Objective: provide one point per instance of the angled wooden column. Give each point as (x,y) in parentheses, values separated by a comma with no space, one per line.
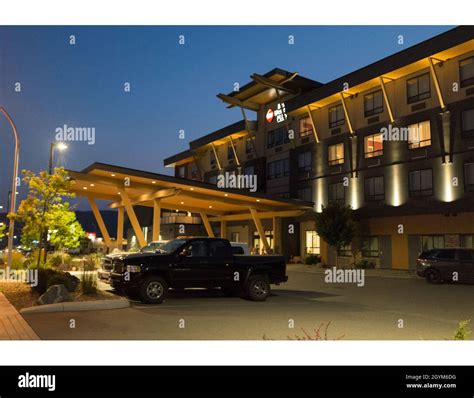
(156,219)
(436,84)
(315,133)
(224,229)
(100,222)
(236,156)
(133,219)
(207,225)
(260,230)
(120,221)
(216,157)
(346,114)
(387,101)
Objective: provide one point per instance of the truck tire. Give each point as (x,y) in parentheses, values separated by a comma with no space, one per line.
(153,290)
(257,288)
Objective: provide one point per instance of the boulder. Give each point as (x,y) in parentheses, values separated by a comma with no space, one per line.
(54,294)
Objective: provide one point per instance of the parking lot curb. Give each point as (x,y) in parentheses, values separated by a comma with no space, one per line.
(94,305)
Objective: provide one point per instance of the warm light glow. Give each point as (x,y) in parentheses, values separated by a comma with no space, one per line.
(61,146)
(258,200)
(210,207)
(396,199)
(113,175)
(153,182)
(92,185)
(354,185)
(85,188)
(191,189)
(182,203)
(319,195)
(226,194)
(448,182)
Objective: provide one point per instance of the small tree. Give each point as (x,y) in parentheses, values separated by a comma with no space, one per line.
(44,211)
(336,226)
(3,228)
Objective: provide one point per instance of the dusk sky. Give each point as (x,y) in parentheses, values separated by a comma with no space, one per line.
(173,87)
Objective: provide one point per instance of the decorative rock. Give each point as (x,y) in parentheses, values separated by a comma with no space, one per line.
(55,294)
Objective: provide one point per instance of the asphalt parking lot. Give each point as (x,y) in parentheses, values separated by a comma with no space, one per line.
(383,309)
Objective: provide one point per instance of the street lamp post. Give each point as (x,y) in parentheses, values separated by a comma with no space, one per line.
(11,227)
(61,146)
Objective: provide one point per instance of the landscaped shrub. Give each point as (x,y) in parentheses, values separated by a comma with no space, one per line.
(63,279)
(18,261)
(48,277)
(365,264)
(312,259)
(464,330)
(92,262)
(89,282)
(58,259)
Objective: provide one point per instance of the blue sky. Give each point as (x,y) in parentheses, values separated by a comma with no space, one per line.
(173,87)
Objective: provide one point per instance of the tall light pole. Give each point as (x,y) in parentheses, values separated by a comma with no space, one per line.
(61,146)
(11,227)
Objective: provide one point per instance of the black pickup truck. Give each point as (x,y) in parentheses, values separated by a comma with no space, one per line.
(196,262)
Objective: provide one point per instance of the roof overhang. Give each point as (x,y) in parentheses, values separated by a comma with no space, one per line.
(108,182)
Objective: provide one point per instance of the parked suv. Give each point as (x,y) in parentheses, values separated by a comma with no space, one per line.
(447,265)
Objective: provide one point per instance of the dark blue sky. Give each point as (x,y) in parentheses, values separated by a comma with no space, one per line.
(173,87)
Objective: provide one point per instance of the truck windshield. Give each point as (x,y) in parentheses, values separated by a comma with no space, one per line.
(172,245)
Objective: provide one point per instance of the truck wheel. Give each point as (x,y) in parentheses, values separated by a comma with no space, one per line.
(153,290)
(258,288)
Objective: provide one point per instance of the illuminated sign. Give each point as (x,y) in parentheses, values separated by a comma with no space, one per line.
(279,113)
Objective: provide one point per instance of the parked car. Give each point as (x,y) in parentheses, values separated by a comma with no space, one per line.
(196,263)
(107,261)
(447,265)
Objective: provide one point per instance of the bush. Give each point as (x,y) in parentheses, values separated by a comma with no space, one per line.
(92,262)
(365,264)
(48,277)
(59,259)
(464,330)
(18,261)
(312,259)
(63,279)
(89,282)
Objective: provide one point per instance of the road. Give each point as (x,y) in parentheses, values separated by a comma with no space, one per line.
(383,309)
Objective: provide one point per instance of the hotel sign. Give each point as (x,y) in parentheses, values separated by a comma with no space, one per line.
(279,113)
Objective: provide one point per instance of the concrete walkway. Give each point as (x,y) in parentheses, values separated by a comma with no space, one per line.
(378,272)
(12,324)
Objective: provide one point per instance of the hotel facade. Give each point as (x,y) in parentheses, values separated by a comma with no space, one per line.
(394,140)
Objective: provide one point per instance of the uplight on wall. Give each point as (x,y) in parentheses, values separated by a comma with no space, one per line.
(354,189)
(449,182)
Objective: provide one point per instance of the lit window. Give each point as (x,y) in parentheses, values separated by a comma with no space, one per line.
(306,128)
(373,145)
(373,103)
(313,243)
(336,154)
(421,182)
(336,116)
(466,71)
(419,135)
(418,88)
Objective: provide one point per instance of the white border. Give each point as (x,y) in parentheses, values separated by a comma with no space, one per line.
(327,353)
(240,12)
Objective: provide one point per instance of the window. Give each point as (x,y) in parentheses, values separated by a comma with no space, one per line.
(449,254)
(212,157)
(212,180)
(336,193)
(218,248)
(374,188)
(466,255)
(305,194)
(304,161)
(373,145)
(278,169)
(313,243)
(249,170)
(345,251)
(230,152)
(418,88)
(430,242)
(336,116)
(467,241)
(467,121)
(277,137)
(336,154)
(466,71)
(421,182)
(306,127)
(196,249)
(235,236)
(182,171)
(257,244)
(373,103)
(469,177)
(419,135)
(370,246)
(194,170)
(249,144)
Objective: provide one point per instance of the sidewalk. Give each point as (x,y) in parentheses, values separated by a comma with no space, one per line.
(12,324)
(378,272)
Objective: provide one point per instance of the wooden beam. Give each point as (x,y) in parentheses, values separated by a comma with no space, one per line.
(216,157)
(436,84)
(120,222)
(156,219)
(100,222)
(274,84)
(207,225)
(234,150)
(253,106)
(261,215)
(346,113)
(312,124)
(147,197)
(133,219)
(224,229)
(261,231)
(387,101)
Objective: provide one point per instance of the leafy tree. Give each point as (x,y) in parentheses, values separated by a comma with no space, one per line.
(45,211)
(336,226)
(3,228)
